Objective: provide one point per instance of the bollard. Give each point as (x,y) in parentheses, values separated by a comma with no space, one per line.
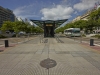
(6,43)
(91,42)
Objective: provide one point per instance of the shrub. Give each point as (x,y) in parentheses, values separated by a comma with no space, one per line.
(99,37)
(96,36)
(14,35)
(2,36)
(83,35)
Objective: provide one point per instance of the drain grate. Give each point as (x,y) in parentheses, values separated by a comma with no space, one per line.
(48,63)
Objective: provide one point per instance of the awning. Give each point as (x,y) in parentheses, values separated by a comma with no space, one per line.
(40,23)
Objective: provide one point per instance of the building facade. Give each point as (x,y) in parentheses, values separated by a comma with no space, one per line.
(85,16)
(76,19)
(6,15)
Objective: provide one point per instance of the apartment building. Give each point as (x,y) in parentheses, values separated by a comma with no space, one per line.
(85,16)
(76,19)
(6,15)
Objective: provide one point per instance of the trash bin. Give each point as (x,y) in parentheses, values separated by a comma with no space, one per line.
(91,42)
(6,43)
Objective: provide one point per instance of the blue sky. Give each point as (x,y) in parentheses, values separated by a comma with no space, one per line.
(48,9)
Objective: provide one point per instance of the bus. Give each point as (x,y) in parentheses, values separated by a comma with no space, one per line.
(72,32)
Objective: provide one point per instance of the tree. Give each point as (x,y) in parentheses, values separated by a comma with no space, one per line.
(61,29)
(69,25)
(95,15)
(38,30)
(94,19)
(7,26)
(98,22)
(19,26)
(80,24)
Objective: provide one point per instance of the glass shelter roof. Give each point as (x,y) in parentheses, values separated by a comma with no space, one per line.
(40,23)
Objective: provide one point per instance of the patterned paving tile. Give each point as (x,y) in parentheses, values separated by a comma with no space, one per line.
(71,58)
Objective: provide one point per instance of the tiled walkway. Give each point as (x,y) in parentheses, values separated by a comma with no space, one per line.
(72,58)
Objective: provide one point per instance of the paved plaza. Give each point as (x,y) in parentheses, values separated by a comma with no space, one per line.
(70,58)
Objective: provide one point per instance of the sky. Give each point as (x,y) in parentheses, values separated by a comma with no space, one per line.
(49,9)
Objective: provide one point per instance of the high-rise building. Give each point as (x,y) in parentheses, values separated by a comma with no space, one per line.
(6,15)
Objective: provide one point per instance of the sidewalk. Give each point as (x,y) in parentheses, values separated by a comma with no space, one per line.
(13,41)
(68,58)
(95,47)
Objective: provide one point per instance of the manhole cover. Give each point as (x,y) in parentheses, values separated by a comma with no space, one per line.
(48,63)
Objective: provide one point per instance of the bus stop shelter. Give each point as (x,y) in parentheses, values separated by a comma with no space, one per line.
(49,26)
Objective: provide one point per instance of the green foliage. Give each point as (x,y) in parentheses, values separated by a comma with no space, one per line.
(83,35)
(7,25)
(82,24)
(97,36)
(98,22)
(61,29)
(38,30)
(20,26)
(90,25)
(95,15)
(2,36)
(14,35)
(94,21)
(69,25)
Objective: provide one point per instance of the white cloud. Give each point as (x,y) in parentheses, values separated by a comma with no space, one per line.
(18,11)
(85,4)
(25,11)
(64,1)
(58,12)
